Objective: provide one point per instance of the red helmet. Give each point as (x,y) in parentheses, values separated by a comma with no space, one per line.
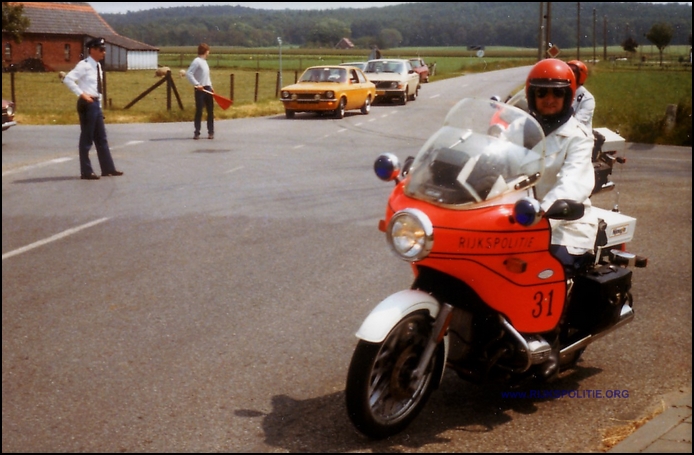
(580,71)
(550,73)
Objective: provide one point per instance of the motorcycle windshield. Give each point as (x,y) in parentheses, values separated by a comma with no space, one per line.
(484,150)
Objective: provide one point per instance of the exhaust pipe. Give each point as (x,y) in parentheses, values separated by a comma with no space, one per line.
(625,316)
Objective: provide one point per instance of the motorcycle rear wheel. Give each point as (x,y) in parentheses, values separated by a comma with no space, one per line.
(381,398)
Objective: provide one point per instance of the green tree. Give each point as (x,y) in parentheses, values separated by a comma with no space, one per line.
(660,35)
(390,37)
(13,21)
(328,32)
(630,45)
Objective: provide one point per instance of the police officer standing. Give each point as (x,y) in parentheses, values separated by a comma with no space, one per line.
(85,81)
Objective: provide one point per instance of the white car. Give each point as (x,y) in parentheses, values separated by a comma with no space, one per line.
(394,78)
(360,65)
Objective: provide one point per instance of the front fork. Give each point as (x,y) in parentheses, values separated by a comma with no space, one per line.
(443,320)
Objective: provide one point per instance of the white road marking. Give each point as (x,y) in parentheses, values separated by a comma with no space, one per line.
(61,160)
(34,166)
(127,144)
(53,238)
(233,170)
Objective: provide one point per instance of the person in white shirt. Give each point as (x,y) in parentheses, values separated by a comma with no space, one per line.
(86,81)
(199,75)
(584,101)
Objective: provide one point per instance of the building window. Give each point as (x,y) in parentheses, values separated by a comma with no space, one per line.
(8,51)
(67,52)
(39,51)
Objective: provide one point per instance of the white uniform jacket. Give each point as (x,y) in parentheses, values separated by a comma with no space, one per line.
(584,107)
(569,175)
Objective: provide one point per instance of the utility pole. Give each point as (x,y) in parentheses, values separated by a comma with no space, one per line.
(545,36)
(594,36)
(279,41)
(541,34)
(604,37)
(578,30)
(548,28)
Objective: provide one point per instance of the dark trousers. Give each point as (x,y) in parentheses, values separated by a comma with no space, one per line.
(204,100)
(93,131)
(572,263)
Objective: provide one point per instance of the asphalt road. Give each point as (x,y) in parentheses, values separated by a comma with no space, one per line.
(207,300)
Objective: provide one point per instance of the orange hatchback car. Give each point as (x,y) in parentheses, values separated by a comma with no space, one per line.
(329,90)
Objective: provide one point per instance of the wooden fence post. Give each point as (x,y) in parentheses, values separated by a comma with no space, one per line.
(14,98)
(257,81)
(231,86)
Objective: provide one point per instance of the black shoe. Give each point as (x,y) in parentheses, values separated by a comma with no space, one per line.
(196,137)
(112,174)
(211,136)
(91,176)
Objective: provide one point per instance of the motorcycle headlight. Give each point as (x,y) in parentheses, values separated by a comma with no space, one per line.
(410,234)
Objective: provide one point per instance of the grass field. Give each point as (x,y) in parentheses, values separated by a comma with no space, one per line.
(631,94)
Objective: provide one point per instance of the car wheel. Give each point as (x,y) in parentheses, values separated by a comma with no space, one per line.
(415,94)
(340,111)
(289,113)
(366,108)
(403,99)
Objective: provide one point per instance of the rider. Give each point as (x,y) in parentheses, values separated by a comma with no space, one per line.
(584,102)
(550,89)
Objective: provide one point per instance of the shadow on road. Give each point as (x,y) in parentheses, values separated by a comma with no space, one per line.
(321,424)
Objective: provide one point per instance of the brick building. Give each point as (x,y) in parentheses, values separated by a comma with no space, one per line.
(58,32)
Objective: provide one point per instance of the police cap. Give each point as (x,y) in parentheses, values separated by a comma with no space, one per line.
(96,42)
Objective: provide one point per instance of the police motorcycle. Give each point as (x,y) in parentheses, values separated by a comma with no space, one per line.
(488,299)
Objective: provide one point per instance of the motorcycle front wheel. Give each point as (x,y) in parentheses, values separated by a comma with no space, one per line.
(382,398)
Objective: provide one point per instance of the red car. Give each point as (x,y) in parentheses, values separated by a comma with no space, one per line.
(420,68)
(7,114)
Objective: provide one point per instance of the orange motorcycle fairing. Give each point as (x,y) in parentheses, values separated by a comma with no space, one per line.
(508,265)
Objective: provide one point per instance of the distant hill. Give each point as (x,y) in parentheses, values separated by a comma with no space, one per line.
(408,25)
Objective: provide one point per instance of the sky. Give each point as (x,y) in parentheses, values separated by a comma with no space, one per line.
(124,7)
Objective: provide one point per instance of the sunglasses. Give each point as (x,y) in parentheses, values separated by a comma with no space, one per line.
(556,92)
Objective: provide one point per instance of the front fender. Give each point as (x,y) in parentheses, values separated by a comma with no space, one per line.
(390,311)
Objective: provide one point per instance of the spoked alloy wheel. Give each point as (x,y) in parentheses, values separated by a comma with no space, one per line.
(366,108)
(340,111)
(382,398)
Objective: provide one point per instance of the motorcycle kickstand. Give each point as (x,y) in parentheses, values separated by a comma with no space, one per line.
(441,324)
